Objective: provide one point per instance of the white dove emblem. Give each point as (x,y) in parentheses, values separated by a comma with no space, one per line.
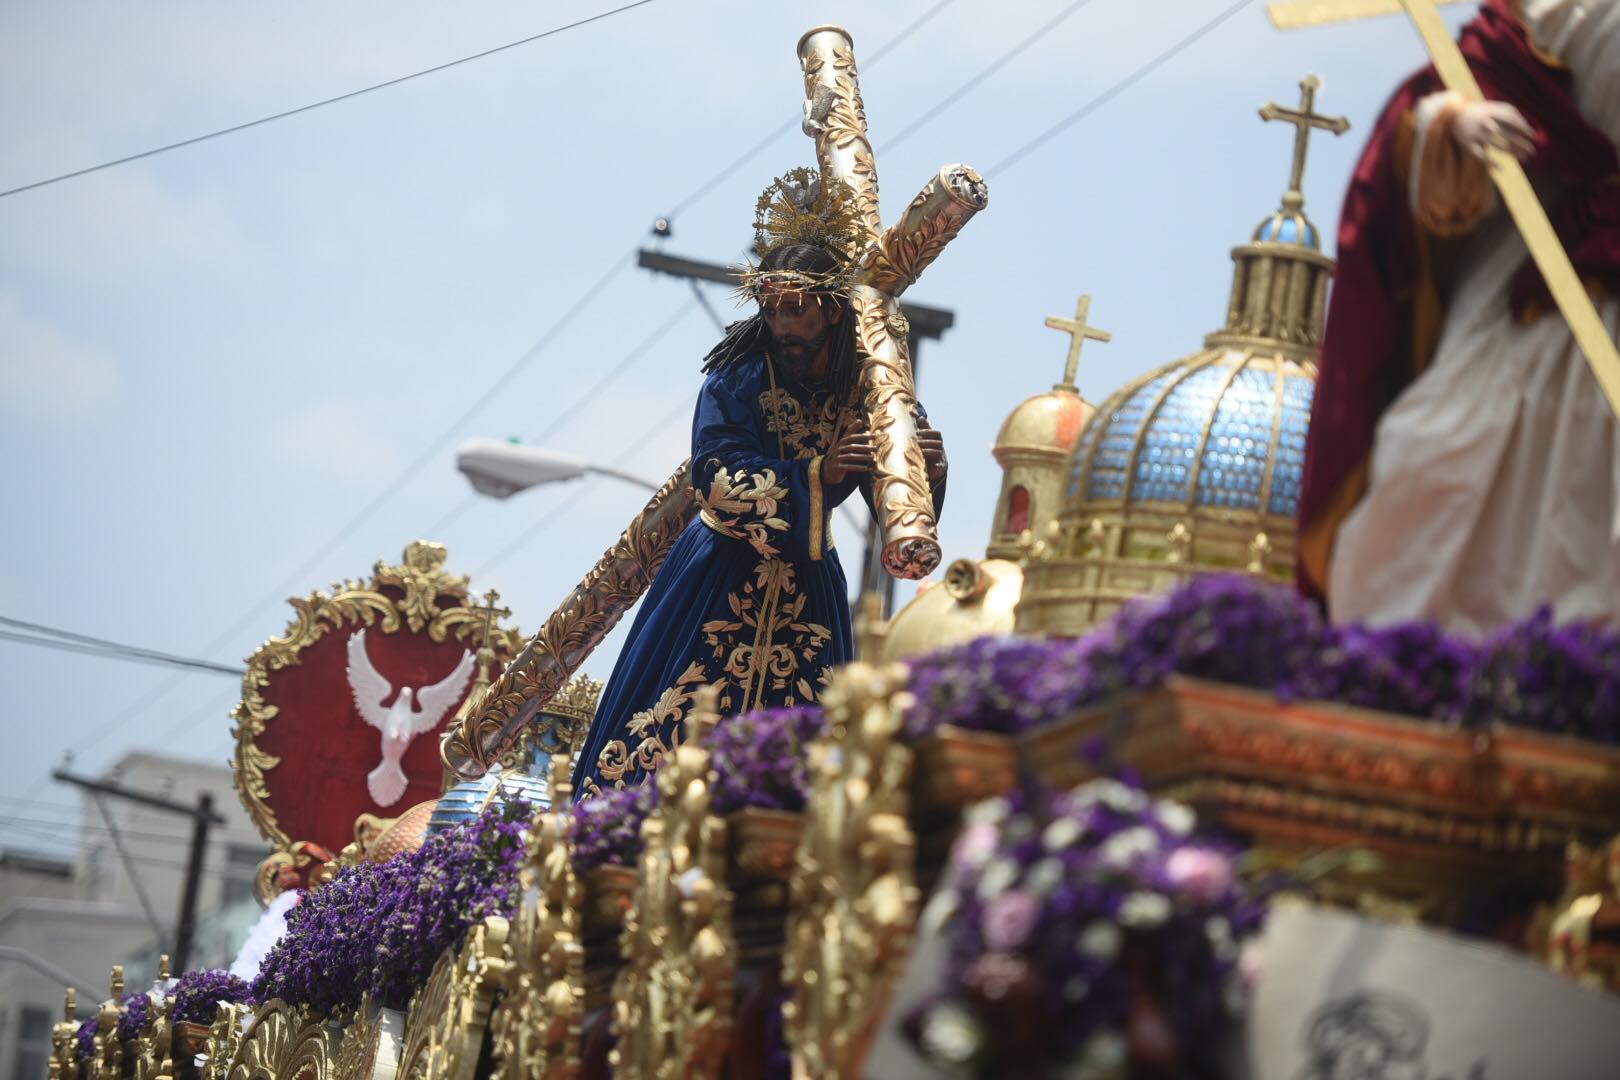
(412,713)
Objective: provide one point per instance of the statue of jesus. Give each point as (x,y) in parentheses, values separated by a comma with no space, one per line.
(752,597)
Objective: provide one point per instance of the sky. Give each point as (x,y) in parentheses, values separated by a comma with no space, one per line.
(212,360)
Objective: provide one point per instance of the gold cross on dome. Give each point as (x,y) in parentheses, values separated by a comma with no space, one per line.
(1078,330)
(1303,119)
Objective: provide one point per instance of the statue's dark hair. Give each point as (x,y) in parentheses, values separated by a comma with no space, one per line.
(751,335)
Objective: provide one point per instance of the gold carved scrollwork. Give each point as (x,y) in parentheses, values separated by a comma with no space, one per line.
(672,1010)
(430,600)
(744,506)
(595,606)
(151,1047)
(853,893)
(444,1029)
(284,1043)
(64,1064)
(370,1046)
(540,1022)
(224,1040)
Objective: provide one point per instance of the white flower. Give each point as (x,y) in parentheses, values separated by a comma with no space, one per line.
(1062,833)
(939,911)
(1044,876)
(1103,1051)
(1125,846)
(1176,817)
(1116,796)
(999,875)
(1102,940)
(688,882)
(1144,909)
(951,1033)
(988,812)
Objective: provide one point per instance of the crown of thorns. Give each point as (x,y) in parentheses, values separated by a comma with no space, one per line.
(798,208)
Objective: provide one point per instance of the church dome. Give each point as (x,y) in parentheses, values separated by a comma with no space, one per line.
(1050,421)
(1196,466)
(1221,431)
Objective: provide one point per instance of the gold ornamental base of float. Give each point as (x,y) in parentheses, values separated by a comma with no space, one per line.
(1450,813)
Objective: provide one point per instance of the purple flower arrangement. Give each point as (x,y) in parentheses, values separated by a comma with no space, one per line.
(1239,629)
(606,828)
(380,927)
(198,994)
(759,761)
(135,1009)
(1084,930)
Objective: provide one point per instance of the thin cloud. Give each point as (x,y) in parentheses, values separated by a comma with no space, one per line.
(45,374)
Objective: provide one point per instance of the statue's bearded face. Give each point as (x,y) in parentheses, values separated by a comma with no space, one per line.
(801,323)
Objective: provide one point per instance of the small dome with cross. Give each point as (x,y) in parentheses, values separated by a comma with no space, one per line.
(1196,466)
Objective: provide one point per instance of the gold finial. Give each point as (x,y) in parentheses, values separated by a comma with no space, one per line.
(871,628)
(705,715)
(562,780)
(1303,119)
(1179,539)
(1259,553)
(1096,533)
(163,967)
(117,981)
(70,1005)
(1078,331)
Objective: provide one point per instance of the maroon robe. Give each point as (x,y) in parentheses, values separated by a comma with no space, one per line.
(1384,319)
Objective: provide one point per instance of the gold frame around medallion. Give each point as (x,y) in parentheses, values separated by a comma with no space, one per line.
(424,584)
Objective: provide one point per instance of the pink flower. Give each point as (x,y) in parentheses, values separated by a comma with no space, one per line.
(1009,919)
(1202,874)
(975,845)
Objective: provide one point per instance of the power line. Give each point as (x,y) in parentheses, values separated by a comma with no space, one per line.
(137,656)
(570,414)
(1113,91)
(748,155)
(652,431)
(327,101)
(994,66)
(93,646)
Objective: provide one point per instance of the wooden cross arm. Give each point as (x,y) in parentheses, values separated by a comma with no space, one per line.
(1293,14)
(904,250)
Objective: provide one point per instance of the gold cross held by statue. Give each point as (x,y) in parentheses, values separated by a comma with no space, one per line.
(1078,330)
(1303,119)
(1568,292)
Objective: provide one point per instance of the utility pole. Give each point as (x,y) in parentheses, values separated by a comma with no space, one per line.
(202,818)
(927,323)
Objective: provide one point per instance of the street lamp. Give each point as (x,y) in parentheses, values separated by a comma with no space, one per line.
(502,469)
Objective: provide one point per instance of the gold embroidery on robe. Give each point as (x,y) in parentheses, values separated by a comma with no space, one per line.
(657,731)
(744,506)
(804,433)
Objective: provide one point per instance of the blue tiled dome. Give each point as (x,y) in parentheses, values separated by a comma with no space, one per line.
(470,798)
(1222,430)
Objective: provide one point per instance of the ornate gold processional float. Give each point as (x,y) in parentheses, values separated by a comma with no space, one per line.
(760,909)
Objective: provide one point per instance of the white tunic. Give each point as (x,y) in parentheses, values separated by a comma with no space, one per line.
(1494,483)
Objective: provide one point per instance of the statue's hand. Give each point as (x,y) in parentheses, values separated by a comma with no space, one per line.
(933,448)
(1481,124)
(853,452)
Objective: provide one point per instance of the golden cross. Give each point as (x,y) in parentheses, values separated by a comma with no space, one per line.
(1303,120)
(1517,195)
(491,613)
(1078,330)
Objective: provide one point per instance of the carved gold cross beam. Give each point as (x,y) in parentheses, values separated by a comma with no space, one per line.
(1517,195)
(891,261)
(1078,331)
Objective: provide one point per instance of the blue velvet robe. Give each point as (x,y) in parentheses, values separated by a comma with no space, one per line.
(752,597)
